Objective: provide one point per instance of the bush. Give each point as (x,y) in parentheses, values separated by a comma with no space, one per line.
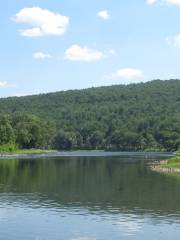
(8,148)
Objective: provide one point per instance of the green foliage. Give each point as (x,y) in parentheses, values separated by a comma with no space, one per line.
(7,135)
(7,148)
(136,117)
(174,162)
(32,132)
(25,131)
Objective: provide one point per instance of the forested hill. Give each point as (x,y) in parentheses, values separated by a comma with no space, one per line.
(143,116)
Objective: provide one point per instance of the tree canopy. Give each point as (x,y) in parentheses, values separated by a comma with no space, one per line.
(136,117)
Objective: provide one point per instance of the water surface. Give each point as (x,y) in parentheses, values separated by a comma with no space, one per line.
(88,198)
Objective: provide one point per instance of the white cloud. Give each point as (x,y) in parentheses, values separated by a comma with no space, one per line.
(172,2)
(177,40)
(78,53)
(129,73)
(43,22)
(104,14)
(175,2)
(174,40)
(151,2)
(168,2)
(41,55)
(4,84)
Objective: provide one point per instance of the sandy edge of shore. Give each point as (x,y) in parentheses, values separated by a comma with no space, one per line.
(161,168)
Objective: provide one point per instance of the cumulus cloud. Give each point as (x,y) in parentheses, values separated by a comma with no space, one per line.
(151,2)
(104,14)
(4,84)
(168,2)
(41,55)
(78,53)
(43,22)
(127,75)
(174,40)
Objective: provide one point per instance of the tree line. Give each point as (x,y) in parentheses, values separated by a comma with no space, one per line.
(136,117)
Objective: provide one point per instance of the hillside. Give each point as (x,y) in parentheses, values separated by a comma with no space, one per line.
(143,116)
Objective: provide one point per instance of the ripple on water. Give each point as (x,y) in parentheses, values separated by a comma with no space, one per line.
(87,199)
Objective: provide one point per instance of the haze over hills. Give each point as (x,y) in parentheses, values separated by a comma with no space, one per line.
(144,116)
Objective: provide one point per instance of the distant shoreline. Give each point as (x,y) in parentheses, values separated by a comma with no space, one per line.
(37,153)
(25,153)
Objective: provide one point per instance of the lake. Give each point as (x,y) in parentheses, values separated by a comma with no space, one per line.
(88,196)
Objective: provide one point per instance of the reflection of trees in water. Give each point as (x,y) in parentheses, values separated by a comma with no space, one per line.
(103,182)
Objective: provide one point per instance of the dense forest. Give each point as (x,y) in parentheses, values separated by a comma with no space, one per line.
(135,117)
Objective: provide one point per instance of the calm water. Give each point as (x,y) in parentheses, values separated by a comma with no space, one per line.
(87,198)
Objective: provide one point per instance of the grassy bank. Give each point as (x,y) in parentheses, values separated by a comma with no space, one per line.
(25,152)
(171,166)
(173,162)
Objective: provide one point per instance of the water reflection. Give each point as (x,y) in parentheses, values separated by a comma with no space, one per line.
(121,196)
(98,184)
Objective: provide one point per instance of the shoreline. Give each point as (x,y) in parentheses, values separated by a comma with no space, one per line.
(167,166)
(25,153)
(37,153)
(162,169)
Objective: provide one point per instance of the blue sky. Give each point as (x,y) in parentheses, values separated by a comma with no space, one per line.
(57,45)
